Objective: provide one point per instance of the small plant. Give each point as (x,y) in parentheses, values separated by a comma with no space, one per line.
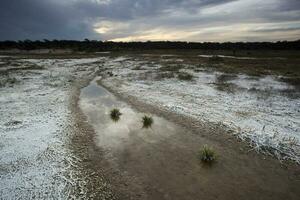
(207,154)
(147,121)
(115,114)
(185,76)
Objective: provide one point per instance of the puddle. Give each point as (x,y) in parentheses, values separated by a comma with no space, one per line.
(96,103)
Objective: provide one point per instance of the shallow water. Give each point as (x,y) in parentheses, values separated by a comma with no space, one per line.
(96,103)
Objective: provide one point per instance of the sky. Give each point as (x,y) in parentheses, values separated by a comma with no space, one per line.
(156,20)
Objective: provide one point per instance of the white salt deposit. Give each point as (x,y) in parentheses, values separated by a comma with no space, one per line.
(34,160)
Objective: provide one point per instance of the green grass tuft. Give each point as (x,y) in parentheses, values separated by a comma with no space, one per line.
(115,114)
(207,154)
(147,121)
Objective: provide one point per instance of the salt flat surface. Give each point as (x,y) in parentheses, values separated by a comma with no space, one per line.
(34,160)
(238,57)
(257,111)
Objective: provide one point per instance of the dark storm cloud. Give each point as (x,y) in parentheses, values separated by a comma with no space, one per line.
(128,9)
(36,19)
(290,5)
(114,19)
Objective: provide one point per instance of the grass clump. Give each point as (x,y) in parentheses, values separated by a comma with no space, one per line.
(185,76)
(207,154)
(115,114)
(147,121)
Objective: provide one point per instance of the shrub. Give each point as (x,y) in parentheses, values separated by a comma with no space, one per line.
(185,76)
(147,121)
(173,68)
(215,59)
(207,154)
(115,114)
(8,81)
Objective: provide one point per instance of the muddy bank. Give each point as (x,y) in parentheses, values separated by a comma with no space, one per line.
(170,169)
(102,180)
(88,179)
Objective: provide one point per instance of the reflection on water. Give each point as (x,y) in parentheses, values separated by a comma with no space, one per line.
(97,103)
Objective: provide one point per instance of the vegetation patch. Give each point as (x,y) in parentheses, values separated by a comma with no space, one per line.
(8,81)
(216,59)
(207,154)
(147,121)
(164,75)
(115,114)
(137,68)
(185,76)
(222,83)
(226,87)
(173,67)
(13,123)
(226,77)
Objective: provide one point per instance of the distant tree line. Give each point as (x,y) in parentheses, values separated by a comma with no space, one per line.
(93,45)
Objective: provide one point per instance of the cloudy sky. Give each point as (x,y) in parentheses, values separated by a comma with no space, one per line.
(142,20)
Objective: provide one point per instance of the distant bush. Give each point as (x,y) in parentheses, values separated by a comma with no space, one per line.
(12,80)
(185,76)
(8,81)
(207,154)
(164,75)
(147,121)
(173,67)
(115,114)
(215,59)
(95,46)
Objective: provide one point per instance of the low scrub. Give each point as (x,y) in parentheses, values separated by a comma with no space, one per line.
(115,114)
(8,81)
(215,59)
(207,154)
(185,76)
(174,68)
(147,121)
